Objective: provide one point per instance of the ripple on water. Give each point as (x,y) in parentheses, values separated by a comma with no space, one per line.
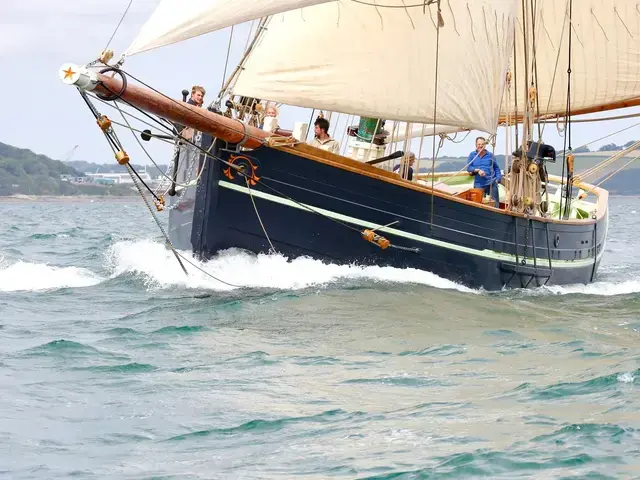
(180,330)
(399,381)
(602,384)
(588,433)
(121,368)
(67,349)
(483,463)
(440,350)
(260,426)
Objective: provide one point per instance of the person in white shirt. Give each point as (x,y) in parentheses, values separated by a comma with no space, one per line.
(322,139)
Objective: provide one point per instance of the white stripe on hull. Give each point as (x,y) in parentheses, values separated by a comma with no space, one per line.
(543,262)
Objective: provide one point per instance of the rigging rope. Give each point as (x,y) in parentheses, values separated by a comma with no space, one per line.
(186,185)
(590,120)
(534,78)
(114,143)
(609,176)
(264,230)
(155,218)
(567,117)
(596,168)
(118,26)
(182,106)
(435,104)
(226,63)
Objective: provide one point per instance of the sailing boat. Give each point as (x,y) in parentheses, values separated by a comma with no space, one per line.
(443,66)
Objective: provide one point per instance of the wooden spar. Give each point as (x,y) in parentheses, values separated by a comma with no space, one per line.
(634,102)
(201,119)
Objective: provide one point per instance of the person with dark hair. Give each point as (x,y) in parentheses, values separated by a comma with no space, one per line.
(322,139)
(482,163)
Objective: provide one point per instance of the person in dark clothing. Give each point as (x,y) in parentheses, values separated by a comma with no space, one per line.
(406,169)
(484,166)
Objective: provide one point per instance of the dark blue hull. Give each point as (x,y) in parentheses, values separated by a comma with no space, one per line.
(313,208)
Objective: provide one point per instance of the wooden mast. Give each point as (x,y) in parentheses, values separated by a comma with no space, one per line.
(201,119)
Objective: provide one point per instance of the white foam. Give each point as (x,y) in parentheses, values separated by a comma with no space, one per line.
(606,289)
(626,377)
(25,276)
(160,269)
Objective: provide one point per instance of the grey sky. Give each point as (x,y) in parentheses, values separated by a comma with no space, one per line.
(40,113)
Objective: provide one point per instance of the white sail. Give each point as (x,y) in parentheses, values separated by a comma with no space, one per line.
(379,62)
(398,130)
(605,54)
(366,58)
(178,20)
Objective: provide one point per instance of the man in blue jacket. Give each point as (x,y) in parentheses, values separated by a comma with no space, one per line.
(484,166)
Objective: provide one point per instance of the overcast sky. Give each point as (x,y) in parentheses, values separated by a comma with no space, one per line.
(38,112)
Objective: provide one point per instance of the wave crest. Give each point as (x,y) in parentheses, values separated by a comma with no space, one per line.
(26,276)
(159,268)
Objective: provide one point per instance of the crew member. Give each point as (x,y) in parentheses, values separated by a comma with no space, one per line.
(322,139)
(484,166)
(196,99)
(405,169)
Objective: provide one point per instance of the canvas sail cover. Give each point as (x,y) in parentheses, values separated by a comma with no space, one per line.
(605,54)
(398,130)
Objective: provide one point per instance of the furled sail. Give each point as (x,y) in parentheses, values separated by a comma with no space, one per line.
(380,61)
(605,55)
(398,130)
(178,20)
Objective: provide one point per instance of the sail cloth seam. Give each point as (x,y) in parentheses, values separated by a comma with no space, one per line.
(486,253)
(415,5)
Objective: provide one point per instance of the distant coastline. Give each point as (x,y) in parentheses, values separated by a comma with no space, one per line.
(26,176)
(23,172)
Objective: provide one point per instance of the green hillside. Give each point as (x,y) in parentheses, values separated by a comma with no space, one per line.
(25,172)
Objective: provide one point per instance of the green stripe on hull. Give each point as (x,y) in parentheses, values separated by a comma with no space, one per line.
(486,253)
